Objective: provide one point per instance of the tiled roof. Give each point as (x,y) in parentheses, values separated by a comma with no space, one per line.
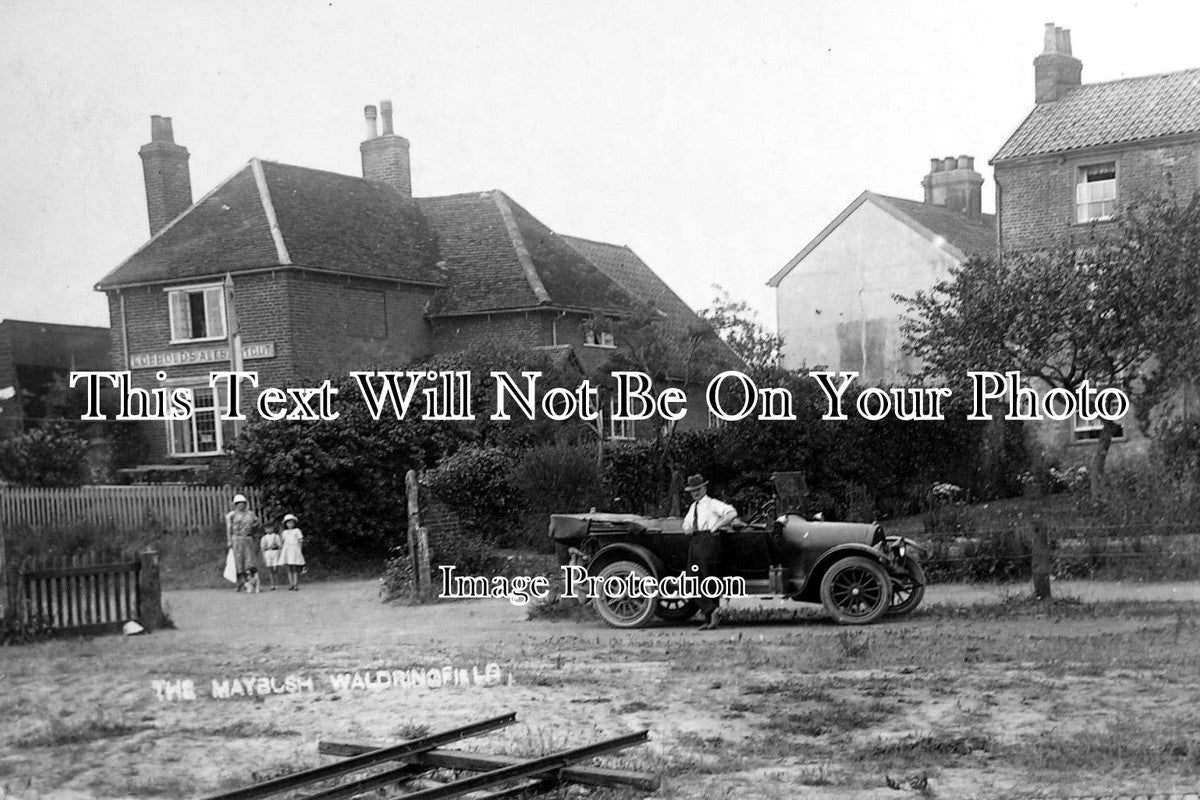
(325,221)
(968,235)
(1109,113)
(497,256)
(943,227)
(624,266)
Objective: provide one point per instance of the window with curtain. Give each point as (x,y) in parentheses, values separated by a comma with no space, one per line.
(1096,193)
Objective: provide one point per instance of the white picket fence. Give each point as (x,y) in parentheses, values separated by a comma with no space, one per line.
(125,508)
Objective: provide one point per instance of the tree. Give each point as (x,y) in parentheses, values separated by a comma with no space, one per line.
(1162,240)
(1062,316)
(738,326)
(50,455)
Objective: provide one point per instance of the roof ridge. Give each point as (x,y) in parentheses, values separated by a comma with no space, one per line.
(595,241)
(518,243)
(264,195)
(966,219)
(53,324)
(1133,78)
(479,194)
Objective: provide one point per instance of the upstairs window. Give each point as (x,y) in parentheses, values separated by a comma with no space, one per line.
(197,313)
(598,338)
(1096,193)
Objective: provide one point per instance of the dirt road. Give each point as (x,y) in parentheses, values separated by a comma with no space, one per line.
(968,699)
(349,612)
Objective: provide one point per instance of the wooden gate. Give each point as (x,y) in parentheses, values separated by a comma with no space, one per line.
(90,593)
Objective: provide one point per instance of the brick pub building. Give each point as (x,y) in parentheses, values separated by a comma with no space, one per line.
(1082,153)
(333,272)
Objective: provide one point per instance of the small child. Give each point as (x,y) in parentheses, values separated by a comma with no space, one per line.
(291,555)
(271,544)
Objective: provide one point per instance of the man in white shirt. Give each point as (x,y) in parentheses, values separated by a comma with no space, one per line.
(703,519)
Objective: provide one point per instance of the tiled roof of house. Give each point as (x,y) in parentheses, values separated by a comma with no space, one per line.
(498,256)
(624,266)
(943,227)
(323,220)
(1109,113)
(968,235)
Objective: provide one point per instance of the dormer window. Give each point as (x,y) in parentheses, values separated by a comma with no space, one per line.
(1096,193)
(594,338)
(197,313)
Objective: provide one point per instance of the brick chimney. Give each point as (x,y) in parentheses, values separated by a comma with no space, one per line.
(1055,71)
(954,183)
(385,155)
(168,181)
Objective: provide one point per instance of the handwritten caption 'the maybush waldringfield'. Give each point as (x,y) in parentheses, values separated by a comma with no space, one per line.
(232,687)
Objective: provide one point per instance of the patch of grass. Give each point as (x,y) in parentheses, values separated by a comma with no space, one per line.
(56,732)
(240,730)
(790,691)
(824,719)
(1166,743)
(930,745)
(411,730)
(854,646)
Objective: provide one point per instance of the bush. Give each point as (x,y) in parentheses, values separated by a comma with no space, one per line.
(558,478)
(476,484)
(52,455)
(343,478)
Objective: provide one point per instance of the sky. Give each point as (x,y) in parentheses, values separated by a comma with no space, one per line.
(714,138)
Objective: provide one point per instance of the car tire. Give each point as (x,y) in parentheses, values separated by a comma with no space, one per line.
(905,602)
(624,611)
(856,591)
(676,609)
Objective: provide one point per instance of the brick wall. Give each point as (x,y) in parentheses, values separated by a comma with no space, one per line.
(340,324)
(522,329)
(1036,199)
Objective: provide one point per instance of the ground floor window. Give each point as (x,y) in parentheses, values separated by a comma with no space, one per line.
(1084,430)
(618,429)
(201,434)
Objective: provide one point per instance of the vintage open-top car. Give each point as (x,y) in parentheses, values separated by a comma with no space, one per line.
(855,570)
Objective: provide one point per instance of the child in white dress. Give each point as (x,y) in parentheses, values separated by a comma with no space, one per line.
(292,555)
(271,544)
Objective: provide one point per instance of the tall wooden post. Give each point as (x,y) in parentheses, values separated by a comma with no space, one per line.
(8,583)
(1040,547)
(411,488)
(422,567)
(149,590)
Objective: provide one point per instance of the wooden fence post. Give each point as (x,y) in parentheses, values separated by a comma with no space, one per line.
(1040,546)
(8,582)
(149,590)
(411,488)
(422,567)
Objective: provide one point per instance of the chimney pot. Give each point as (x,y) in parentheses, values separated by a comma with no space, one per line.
(160,129)
(385,111)
(949,163)
(935,165)
(1050,38)
(966,162)
(1055,71)
(385,158)
(369,114)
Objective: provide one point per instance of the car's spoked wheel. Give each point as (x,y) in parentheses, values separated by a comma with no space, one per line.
(676,609)
(623,609)
(856,591)
(908,593)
